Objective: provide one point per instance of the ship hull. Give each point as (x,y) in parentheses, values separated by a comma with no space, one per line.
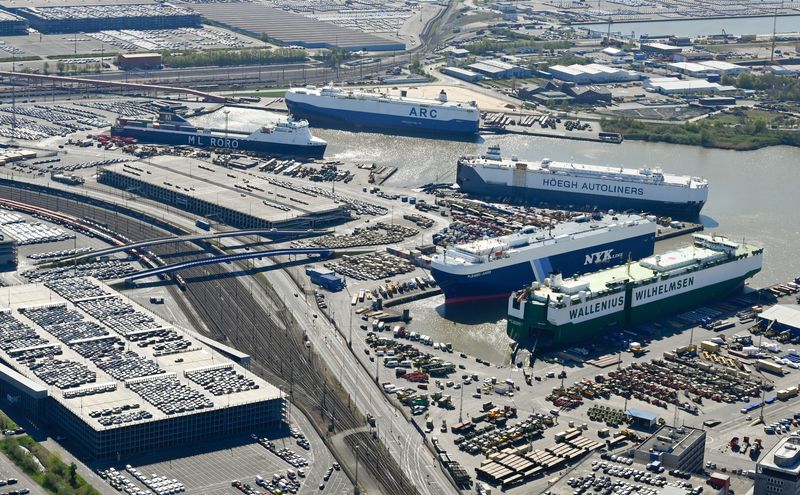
(220,142)
(497,283)
(356,120)
(470,181)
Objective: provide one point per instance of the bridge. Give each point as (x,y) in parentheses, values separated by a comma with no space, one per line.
(194,237)
(118,84)
(212,260)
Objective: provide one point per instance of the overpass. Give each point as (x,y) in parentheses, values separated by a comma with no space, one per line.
(194,237)
(213,260)
(118,84)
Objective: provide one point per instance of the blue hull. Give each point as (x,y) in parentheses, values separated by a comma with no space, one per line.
(233,143)
(379,122)
(470,182)
(499,283)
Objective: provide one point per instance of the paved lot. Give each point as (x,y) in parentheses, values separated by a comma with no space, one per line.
(9,470)
(209,468)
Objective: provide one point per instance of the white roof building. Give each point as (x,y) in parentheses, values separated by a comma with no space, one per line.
(592,74)
(673,85)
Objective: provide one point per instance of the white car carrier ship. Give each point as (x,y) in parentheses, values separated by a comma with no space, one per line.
(568,310)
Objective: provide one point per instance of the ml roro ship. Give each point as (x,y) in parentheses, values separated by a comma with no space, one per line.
(291,137)
(573,184)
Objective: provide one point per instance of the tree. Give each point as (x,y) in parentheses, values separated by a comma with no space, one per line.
(60,65)
(46,68)
(73,474)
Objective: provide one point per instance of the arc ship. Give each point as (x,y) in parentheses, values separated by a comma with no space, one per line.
(382,112)
(567,184)
(292,137)
(493,268)
(568,310)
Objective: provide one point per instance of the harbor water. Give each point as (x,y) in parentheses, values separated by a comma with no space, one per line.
(697,27)
(753,196)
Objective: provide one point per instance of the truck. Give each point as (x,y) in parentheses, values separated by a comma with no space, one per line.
(769,366)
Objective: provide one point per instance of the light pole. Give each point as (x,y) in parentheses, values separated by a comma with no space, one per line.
(355,488)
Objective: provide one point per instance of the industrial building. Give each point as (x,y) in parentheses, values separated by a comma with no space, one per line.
(681,447)
(8,252)
(785,70)
(673,85)
(239,200)
(463,74)
(11,24)
(497,69)
(325,278)
(592,74)
(290,29)
(782,317)
(778,472)
(660,49)
(87,363)
(140,61)
(91,18)
(706,68)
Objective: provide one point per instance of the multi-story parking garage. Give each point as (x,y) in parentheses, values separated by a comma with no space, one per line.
(114,379)
(235,198)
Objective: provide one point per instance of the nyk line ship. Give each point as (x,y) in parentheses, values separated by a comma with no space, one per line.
(493,268)
(292,137)
(568,310)
(572,184)
(382,112)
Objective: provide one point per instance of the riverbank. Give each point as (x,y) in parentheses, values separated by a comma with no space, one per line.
(745,134)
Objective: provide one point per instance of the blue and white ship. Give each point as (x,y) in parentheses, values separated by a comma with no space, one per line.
(382,112)
(493,268)
(572,184)
(290,138)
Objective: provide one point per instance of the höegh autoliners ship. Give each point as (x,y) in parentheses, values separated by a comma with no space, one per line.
(290,137)
(493,268)
(382,112)
(573,184)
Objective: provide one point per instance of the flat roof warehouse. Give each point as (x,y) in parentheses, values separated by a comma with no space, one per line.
(120,379)
(293,29)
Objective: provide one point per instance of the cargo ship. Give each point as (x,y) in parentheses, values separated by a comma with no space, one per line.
(571,184)
(493,268)
(291,137)
(566,310)
(382,112)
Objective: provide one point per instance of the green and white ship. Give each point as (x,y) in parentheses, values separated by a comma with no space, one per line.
(579,309)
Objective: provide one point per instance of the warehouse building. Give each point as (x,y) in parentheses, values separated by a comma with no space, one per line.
(785,70)
(463,74)
(86,18)
(660,49)
(673,86)
(73,362)
(782,317)
(234,199)
(592,74)
(497,69)
(289,28)
(680,448)
(705,68)
(11,25)
(778,472)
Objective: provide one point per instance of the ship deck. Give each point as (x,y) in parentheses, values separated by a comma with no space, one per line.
(677,260)
(541,237)
(565,169)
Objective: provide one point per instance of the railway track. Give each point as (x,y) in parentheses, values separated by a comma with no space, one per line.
(226,306)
